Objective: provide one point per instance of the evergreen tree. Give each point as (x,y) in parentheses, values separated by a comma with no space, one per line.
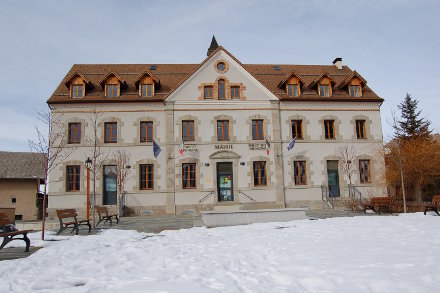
(411,125)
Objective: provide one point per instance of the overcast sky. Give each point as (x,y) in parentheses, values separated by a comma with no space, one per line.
(394,45)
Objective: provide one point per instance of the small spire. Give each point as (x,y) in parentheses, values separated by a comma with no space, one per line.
(213,46)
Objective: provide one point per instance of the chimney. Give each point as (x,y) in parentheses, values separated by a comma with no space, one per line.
(338,63)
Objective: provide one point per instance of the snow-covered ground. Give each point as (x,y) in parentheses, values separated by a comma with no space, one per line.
(360,254)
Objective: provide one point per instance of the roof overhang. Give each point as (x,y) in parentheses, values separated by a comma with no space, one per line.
(318,79)
(292,74)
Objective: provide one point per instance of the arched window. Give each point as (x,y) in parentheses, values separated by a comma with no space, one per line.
(221,89)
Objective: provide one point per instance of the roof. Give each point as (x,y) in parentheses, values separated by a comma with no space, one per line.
(21,165)
(171,76)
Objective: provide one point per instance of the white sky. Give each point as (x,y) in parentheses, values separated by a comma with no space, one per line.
(392,44)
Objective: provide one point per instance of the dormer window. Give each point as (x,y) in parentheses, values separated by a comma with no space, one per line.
(77,91)
(147,90)
(112,84)
(147,83)
(77,85)
(293,90)
(292,84)
(324,90)
(353,85)
(355,91)
(112,90)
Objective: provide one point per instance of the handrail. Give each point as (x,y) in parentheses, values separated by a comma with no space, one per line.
(355,192)
(325,191)
(206,196)
(247,195)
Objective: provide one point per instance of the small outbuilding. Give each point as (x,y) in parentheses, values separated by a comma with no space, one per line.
(21,174)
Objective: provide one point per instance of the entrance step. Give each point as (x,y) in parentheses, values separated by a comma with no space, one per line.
(228,208)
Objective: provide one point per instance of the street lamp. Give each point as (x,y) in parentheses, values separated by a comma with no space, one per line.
(88,165)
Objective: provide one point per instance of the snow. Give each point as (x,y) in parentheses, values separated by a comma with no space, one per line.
(358,254)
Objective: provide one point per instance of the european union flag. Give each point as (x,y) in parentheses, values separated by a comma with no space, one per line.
(291,144)
(156,149)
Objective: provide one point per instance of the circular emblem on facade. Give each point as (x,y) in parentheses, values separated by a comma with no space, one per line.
(221,66)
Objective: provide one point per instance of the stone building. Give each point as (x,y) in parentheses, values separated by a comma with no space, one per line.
(223,111)
(20,177)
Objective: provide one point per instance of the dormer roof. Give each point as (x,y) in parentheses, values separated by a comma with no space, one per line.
(318,79)
(350,77)
(292,74)
(148,73)
(121,80)
(75,74)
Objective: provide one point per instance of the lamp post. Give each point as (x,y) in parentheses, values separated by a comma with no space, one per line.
(88,165)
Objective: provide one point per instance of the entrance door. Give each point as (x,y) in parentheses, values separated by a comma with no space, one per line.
(110,196)
(225,186)
(333,178)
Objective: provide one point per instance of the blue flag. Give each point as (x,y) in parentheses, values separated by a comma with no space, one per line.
(156,149)
(291,144)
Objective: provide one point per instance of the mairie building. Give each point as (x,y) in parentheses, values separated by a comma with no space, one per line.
(223,129)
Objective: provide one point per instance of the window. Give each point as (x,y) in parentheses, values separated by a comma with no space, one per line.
(360,129)
(112,90)
(297,129)
(292,90)
(235,92)
(300,172)
(188,130)
(223,130)
(147,90)
(77,91)
(355,91)
(73,178)
(188,175)
(260,173)
(74,132)
(324,90)
(221,89)
(257,130)
(111,132)
(207,92)
(329,129)
(146,131)
(364,171)
(221,66)
(146,176)
(13,200)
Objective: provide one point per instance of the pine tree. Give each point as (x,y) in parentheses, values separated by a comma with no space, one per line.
(411,126)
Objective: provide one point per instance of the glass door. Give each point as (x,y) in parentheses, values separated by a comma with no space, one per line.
(110,184)
(333,178)
(225,186)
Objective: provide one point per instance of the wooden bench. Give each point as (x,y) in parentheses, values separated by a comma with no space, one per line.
(8,232)
(104,215)
(74,223)
(433,205)
(378,202)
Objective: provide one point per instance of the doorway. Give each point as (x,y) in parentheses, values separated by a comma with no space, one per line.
(110,193)
(333,178)
(225,186)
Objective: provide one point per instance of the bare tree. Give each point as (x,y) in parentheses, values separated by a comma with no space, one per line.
(123,170)
(97,154)
(51,144)
(346,155)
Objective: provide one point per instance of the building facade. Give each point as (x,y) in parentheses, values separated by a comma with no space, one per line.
(223,111)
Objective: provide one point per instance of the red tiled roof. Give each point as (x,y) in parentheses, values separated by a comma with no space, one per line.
(171,76)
